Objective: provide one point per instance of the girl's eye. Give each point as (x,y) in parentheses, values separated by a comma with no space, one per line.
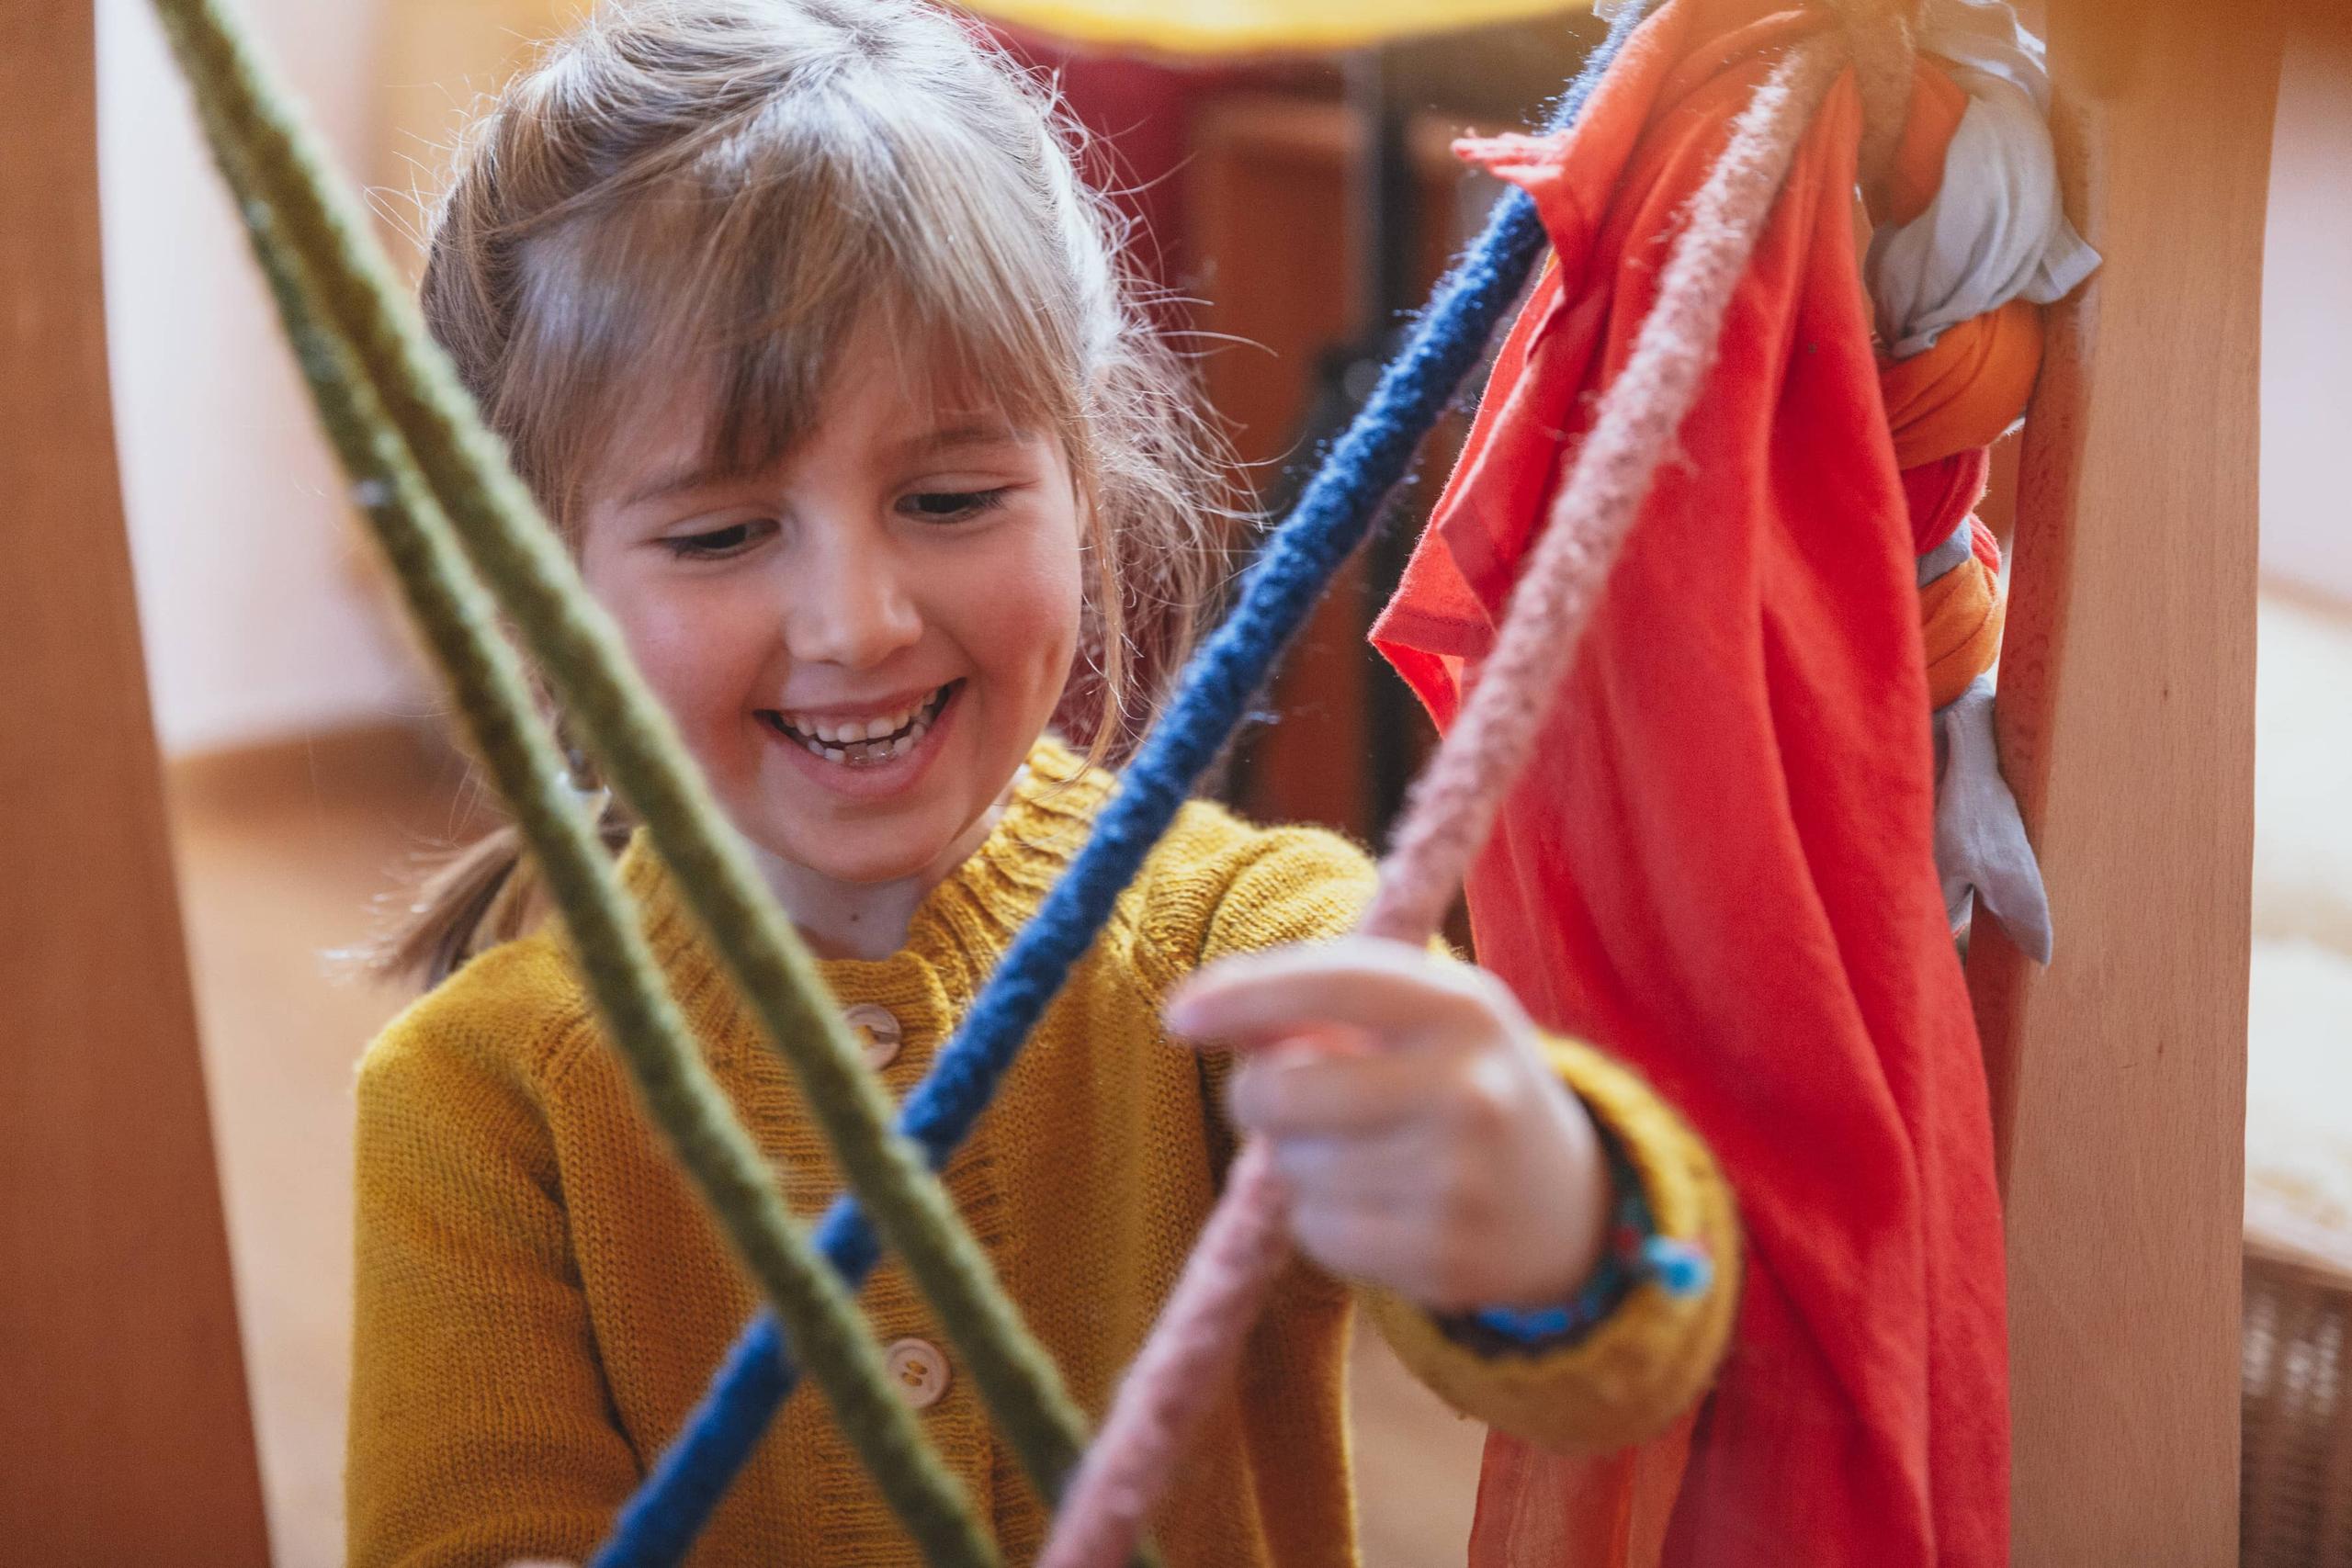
(714,544)
(953,505)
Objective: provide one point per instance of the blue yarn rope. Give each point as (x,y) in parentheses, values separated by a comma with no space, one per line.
(1339,506)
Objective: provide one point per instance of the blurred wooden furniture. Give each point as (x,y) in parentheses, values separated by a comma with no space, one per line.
(2127,693)
(1283,279)
(125,1436)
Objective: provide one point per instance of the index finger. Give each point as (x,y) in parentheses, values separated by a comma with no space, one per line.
(1390,990)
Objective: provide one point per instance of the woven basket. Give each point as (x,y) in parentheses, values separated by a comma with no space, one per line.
(2295,1502)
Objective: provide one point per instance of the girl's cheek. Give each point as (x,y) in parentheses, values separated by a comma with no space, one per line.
(696,647)
(1032,593)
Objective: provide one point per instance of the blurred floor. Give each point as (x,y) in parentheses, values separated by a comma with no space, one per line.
(281,855)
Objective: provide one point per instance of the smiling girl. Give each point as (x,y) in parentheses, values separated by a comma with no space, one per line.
(799,320)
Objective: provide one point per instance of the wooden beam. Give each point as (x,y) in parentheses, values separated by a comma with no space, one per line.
(125,1436)
(2127,720)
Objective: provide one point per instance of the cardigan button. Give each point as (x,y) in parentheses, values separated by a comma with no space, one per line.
(919,1368)
(878,1035)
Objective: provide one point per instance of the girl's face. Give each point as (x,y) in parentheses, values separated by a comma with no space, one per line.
(861,643)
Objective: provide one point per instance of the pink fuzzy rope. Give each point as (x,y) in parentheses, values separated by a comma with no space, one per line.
(1183,1368)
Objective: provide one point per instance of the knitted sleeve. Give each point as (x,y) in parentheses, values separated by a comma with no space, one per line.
(1631,1375)
(479,1431)
(1634,1372)
(1267,887)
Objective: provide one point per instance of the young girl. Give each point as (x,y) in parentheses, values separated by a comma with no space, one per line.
(799,321)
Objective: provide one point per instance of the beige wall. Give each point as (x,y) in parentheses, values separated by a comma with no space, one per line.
(2307,315)
(261,614)
(259,618)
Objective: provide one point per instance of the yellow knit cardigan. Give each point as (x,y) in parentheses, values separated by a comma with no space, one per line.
(540,1299)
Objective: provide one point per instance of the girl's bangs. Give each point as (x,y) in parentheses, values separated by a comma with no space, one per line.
(742,291)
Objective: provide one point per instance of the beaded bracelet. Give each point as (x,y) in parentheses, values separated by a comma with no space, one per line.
(1635,1253)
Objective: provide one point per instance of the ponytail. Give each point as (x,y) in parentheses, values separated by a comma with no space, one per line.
(472,900)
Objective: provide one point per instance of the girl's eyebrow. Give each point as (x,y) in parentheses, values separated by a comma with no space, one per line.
(689,476)
(696,474)
(976,432)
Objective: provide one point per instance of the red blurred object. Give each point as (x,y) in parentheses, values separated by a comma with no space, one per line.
(1137,114)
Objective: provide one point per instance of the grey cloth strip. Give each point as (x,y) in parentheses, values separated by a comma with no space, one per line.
(1949,555)
(1982,852)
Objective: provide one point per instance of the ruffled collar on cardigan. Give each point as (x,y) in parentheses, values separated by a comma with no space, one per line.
(958,931)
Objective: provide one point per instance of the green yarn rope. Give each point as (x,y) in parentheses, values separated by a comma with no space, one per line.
(352,297)
(486,680)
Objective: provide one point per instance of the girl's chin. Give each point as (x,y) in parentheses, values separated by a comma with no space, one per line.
(849,867)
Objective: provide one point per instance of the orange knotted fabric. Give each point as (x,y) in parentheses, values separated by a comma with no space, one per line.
(1946,405)
(1969,388)
(1960,619)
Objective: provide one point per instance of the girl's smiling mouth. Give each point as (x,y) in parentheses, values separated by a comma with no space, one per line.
(889,733)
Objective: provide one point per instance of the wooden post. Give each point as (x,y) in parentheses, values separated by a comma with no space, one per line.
(124,1435)
(2127,716)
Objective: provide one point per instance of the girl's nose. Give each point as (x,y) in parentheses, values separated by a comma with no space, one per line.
(849,606)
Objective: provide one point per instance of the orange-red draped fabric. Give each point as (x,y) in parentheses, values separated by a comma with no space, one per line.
(1721,865)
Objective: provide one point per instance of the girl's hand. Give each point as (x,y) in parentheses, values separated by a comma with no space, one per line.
(1427,1144)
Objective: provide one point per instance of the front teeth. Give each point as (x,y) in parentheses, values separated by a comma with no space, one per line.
(851,731)
(867,740)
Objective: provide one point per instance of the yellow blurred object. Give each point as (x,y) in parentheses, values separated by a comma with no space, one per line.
(442,62)
(1223,27)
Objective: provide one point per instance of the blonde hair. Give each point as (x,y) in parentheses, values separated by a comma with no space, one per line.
(725,190)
